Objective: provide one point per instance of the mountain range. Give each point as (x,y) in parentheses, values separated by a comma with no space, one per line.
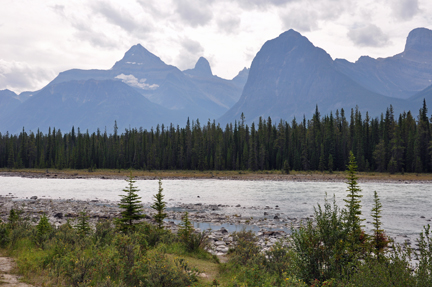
(288,78)
(144,89)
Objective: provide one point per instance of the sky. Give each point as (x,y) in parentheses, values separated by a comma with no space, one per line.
(40,38)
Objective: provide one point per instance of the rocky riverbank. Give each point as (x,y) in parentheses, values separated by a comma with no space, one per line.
(270,228)
(222,175)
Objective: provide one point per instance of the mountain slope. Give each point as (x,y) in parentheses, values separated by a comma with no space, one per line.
(418,98)
(290,76)
(8,102)
(400,76)
(87,104)
(163,84)
(223,92)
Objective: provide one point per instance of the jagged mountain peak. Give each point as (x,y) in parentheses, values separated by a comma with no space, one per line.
(420,40)
(203,66)
(294,37)
(202,69)
(137,55)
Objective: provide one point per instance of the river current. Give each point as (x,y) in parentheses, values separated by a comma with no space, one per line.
(406,207)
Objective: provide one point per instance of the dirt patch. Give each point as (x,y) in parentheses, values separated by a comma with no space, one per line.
(7,279)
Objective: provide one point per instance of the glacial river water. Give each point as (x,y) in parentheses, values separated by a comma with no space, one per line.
(404,205)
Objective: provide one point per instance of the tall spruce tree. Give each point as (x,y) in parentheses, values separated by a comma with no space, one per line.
(130,204)
(379,241)
(353,204)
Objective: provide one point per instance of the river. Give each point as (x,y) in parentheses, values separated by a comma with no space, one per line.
(406,207)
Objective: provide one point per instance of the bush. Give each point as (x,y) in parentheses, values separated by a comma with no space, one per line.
(162,272)
(246,249)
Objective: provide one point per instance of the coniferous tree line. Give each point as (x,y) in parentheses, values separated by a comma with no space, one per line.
(394,143)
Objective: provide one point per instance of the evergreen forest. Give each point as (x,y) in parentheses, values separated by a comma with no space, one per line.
(392,143)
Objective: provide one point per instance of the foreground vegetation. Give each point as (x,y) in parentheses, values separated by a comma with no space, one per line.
(331,250)
(401,143)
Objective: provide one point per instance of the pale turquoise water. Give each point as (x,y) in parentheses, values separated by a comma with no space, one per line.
(403,204)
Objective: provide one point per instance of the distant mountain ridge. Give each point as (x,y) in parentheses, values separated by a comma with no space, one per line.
(173,95)
(289,76)
(162,84)
(87,104)
(399,76)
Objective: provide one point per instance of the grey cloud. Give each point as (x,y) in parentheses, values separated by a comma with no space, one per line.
(97,39)
(369,35)
(189,53)
(253,4)
(87,34)
(306,16)
(59,9)
(229,24)
(120,18)
(195,13)
(404,9)
(191,46)
(333,9)
(19,76)
(299,19)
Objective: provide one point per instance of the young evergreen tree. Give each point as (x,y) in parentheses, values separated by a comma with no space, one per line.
(380,241)
(330,163)
(130,204)
(286,167)
(186,228)
(159,205)
(353,204)
(43,227)
(82,226)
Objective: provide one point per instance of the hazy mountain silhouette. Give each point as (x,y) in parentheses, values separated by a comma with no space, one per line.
(289,76)
(166,85)
(89,104)
(223,92)
(8,102)
(399,76)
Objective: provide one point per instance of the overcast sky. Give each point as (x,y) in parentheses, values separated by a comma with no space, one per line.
(39,38)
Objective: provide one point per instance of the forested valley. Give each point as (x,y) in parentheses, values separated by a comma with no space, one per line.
(393,143)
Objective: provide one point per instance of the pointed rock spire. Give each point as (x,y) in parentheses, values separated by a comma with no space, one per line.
(202,69)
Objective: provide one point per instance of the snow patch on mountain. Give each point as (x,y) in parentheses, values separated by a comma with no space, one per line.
(131,80)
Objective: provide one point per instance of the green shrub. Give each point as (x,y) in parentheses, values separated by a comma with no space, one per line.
(424,269)
(162,272)
(246,248)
